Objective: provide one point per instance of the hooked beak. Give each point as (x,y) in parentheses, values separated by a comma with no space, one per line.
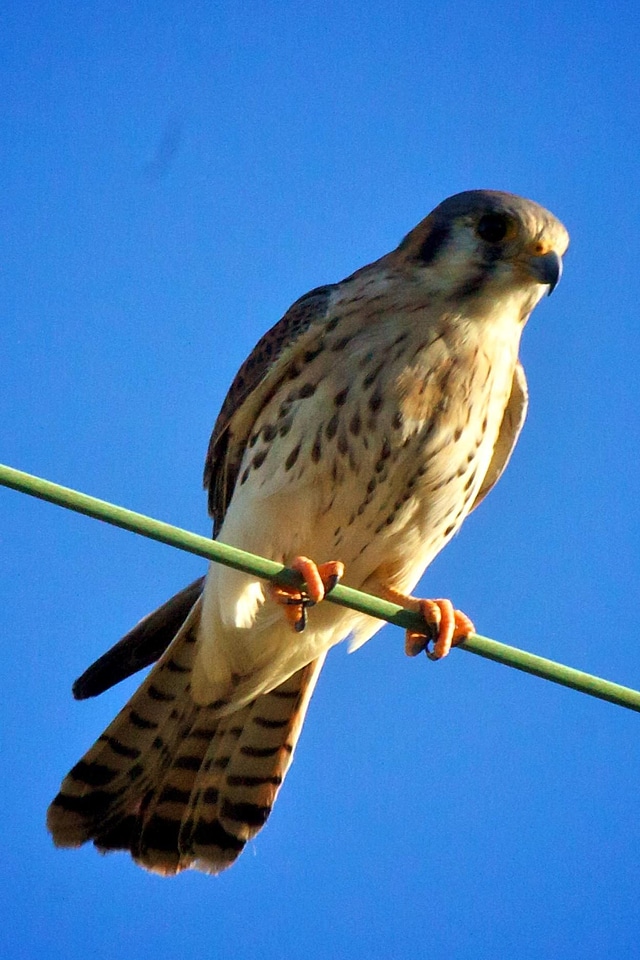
(546,268)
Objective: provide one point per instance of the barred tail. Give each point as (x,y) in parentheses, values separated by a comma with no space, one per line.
(175,784)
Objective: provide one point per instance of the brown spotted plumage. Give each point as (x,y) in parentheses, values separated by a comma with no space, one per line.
(363,428)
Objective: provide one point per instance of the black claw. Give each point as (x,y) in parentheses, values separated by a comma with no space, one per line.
(332,582)
(304,602)
(433,632)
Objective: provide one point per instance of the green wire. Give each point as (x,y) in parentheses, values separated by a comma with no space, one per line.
(344,596)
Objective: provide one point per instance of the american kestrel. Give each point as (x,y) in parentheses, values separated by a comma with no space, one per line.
(352,444)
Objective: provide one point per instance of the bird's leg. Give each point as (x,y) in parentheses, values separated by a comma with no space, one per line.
(445,626)
(319,580)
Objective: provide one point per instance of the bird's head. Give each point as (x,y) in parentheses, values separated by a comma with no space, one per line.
(486,244)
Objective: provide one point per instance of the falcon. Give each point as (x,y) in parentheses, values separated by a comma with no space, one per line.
(355,439)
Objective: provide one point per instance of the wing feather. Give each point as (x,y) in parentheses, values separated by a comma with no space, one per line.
(268,364)
(512,422)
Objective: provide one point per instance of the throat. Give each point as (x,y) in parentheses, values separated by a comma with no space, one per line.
(454,376)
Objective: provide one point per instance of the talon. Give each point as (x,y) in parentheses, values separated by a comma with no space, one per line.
(319,580)
(331,574)
(447,627)
(301,622)
(293,603)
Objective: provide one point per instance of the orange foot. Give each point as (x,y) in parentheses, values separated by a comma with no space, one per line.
(445,626)
(319,580)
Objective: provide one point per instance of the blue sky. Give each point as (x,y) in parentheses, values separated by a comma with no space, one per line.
(174,176)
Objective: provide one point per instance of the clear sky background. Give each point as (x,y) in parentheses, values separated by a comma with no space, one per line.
(173,176)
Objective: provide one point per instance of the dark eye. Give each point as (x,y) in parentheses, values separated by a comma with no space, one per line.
(493,227)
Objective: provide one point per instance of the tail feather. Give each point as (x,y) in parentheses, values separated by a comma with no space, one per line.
(121,767)
(141,647)
(237,784)
(176,784)
(158,843)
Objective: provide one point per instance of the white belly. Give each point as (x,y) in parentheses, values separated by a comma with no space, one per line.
(384,499)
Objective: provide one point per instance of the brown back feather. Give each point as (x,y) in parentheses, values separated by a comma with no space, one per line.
(260,375)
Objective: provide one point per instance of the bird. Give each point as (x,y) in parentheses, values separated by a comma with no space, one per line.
(355,439)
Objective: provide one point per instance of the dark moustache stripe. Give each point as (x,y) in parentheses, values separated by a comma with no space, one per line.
(432,244)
